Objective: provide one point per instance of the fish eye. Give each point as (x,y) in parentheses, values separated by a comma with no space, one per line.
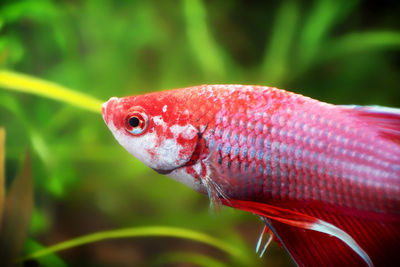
(136,123)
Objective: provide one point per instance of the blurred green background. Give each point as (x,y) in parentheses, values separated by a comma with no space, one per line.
(342,52)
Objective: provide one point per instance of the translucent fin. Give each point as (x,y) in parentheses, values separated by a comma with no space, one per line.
(332,230)
(214,191)
(266,244)
(304,221)
(265,231)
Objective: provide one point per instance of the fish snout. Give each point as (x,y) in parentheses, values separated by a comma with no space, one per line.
(107,107)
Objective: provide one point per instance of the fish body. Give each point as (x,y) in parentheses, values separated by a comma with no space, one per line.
(325,178)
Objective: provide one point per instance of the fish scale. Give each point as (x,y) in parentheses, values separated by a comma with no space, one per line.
(279,181)
(324,178)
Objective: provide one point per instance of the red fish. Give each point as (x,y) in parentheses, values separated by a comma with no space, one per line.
(324,178)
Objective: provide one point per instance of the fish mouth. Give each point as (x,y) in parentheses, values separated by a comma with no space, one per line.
(165,172)
(168,171)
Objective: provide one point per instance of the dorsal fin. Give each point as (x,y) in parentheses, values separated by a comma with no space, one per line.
(386,120)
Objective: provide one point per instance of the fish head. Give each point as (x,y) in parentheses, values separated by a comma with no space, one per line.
(156,128)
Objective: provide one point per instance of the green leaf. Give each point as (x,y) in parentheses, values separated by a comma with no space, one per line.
(361,42)
(17,213)
(39,222)
(160,231)
(27,84)
(205,49)
(38,143)
(275,65)
(319,22)
(17,10)
(48,260)
(2,171)
(11,50)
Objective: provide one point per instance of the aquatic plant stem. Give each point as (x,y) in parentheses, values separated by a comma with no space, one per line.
(147,231)
(28,84)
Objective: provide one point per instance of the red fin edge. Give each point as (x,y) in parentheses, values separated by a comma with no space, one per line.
(344,241)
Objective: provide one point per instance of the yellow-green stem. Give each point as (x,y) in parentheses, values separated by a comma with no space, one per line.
(28,84)
(159,231)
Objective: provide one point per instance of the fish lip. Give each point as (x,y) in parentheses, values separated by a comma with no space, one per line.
(165,172)
(103,111)
(105,108)
(168,171)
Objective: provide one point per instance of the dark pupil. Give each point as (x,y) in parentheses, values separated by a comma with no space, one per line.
(134,122)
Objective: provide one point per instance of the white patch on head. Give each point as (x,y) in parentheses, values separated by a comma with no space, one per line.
(167,155)
(187,132)
(182,176)
(157,152)
(158,120)
(137,146)
(164,108)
